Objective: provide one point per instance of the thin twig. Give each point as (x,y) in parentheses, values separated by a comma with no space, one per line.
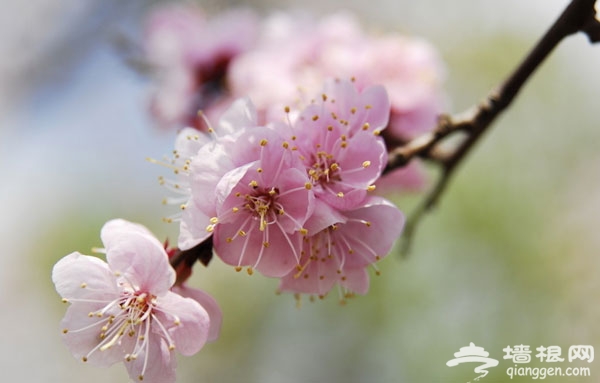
(579,16)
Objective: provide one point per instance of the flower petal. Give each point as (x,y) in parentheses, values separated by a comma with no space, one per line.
(357,280)
(193,227)
(82,335)
(371,230)
(208,303)
(159,364)
(83,276)
(241,114)
(138,256)
(274,260)
(185,320)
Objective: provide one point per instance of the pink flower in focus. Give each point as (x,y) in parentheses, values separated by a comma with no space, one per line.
(337,139)
(192,53)
(124,310)
(261,208)
(341,251)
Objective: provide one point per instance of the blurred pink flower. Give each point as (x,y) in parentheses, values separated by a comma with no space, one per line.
(301,53)
(125,310)
(191,53)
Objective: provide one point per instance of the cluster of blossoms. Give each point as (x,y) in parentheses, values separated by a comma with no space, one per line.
(292,200)
(283,184)
(283,60)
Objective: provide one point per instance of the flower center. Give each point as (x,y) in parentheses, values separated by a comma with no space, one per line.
(263,206)
(324,168)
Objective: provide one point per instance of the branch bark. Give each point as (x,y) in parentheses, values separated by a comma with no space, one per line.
(578,16)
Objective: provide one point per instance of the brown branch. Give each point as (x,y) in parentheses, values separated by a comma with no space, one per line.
(579,16)
(201,252)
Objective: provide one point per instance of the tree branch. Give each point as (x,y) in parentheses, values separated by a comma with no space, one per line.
(579,16)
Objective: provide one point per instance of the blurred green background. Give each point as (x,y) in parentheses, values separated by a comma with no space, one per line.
(509,257)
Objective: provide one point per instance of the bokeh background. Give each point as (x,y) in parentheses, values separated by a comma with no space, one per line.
(510,256)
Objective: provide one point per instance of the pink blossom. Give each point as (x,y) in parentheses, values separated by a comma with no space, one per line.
(340,252)
(191,53)
(124,310)
(262,206)
(338,141)
(199,161)
(412,73)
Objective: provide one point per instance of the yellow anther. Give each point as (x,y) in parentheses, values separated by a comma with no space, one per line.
(340,194)
(264,142)
(250,271)
(285,144)
(238,268)
(366,164)
(353,110)
(371,188)
(308,186)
